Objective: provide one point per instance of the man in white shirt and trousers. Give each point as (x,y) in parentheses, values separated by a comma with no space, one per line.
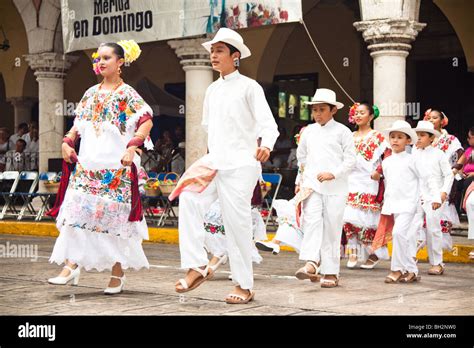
(235,115)
(326,154)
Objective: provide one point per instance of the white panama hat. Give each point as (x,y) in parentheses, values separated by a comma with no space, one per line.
(325,96)
(427,126)
(404,127)
(232,38)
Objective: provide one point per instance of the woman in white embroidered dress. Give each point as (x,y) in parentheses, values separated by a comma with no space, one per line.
(453,150)
(100,221)
(362,212)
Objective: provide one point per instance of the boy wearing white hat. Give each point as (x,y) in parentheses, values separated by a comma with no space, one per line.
(435,185)
(326,154)
(401,199)
(235,115)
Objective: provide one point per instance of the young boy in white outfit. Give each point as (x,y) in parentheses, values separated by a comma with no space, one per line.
(326,153)
(235,115)
(435,185)
(401,199)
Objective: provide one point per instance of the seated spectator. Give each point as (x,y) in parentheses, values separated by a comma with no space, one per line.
(33,145)
(15,159)
(179,134)
(32,149)
(20,134)
(281,149)
(292,162)
(177,161)
(27,136)
(4,147)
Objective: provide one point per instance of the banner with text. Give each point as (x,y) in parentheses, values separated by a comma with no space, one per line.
(87,23)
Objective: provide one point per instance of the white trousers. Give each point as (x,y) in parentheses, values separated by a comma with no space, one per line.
(434,236)
(404,243)
(322,228)
(432,232)
(470,215)
(234,188)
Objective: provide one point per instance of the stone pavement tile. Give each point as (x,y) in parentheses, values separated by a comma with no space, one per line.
(421,303)
(254,309)
(315,313)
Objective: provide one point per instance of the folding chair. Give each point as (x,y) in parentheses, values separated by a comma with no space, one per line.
(27,185)
(274,179)
(8,183)
(45,197)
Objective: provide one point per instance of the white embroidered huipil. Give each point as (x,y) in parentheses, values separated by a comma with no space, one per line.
(329,148)
(436,177)
(93,220)
(235,114)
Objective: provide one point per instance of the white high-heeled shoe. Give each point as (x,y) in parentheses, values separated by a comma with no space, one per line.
(351,263)
(117,289)
(74,275)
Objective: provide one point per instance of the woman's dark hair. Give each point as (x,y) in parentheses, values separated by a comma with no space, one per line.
(471,130)
(118,50)
(441,114)
(232,48)
(369,106)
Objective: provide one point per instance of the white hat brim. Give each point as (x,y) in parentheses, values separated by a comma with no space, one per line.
(243,49)
(336,104)
(408,131)
(428,130)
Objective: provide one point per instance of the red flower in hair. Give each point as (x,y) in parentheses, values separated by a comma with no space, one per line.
(352,111)
(427,115)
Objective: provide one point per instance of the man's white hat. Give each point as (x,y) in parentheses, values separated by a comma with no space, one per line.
(232,38)
(427,126)
(404,127)
(325,96)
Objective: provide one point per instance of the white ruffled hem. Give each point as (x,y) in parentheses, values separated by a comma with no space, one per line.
(359,217)
(97,251)
(288,235)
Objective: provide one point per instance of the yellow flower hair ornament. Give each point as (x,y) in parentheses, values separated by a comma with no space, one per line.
(131,49)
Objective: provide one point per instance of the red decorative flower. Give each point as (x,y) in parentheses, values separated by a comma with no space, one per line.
(115,183)
(122,105)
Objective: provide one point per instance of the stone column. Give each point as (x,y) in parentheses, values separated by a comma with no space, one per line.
(22,107)
(50,70)
(389,28)
(197,66)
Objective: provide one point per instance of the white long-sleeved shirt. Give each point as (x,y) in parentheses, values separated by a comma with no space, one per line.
(235,114)
(402,194)
(329,148)
(435,171)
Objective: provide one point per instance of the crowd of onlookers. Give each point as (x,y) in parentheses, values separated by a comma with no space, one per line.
(19,151)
